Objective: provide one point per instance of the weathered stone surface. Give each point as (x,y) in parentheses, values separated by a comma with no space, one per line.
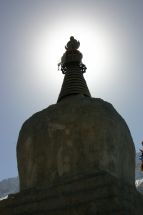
(75,136)
(89,194)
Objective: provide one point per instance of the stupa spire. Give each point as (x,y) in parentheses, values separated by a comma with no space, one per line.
(73,69)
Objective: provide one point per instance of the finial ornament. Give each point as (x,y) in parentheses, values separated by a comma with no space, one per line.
(72,56)
(72,44)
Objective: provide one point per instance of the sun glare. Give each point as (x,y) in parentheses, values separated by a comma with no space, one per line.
(95,44)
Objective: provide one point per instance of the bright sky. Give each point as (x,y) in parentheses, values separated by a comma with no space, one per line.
(33,34)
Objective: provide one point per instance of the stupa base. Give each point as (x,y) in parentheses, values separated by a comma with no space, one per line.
(96,193)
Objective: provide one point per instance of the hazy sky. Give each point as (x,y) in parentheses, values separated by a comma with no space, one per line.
(33,34)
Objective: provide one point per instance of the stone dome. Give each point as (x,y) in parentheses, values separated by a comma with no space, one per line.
(75,136)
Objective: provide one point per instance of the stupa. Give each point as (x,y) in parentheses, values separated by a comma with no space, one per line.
(76,156)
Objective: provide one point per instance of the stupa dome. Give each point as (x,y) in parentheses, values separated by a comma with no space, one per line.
(78,135)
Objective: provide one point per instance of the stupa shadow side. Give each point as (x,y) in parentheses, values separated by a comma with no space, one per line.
(77,156)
